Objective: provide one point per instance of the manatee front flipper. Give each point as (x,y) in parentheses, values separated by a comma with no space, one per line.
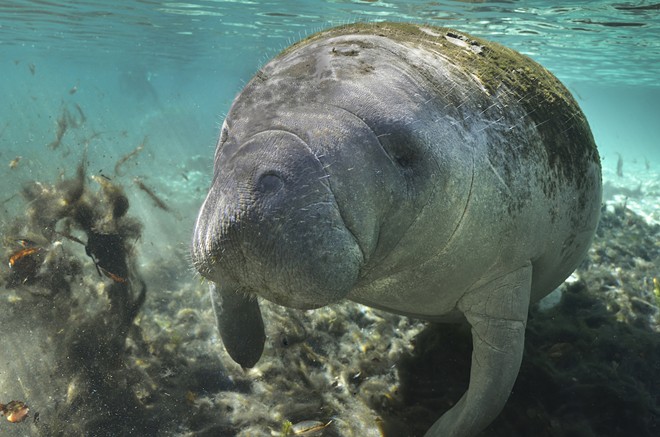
(239,322)
(497,313)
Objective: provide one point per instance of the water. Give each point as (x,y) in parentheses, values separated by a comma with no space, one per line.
(196,56)
(155,78)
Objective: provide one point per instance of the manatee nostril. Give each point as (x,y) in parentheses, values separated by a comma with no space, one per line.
(269,182)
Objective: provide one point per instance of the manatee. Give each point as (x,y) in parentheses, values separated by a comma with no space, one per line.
(414,169)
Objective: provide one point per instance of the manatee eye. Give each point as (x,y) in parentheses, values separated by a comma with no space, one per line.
(401,151)
(404,159)
(269,182)
(402,154)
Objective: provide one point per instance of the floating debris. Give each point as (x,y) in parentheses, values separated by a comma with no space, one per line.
(105,250)
(64,121)
(24,263)
(14,162)
(15,411)
(121,161)
(10,198)
(93,136)
(619,166)
(91,251)
(113,276)
(304,428)
(83,118)
(102,247)
(85,334)
(62,126)
(114,196)
(16,258)
(157,201)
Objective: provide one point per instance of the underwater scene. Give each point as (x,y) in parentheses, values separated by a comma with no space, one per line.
(110,113)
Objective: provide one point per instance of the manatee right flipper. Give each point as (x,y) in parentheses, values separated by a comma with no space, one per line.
(497,313)
(239,322)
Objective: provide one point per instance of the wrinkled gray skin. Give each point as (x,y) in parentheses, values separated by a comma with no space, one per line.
(413,169)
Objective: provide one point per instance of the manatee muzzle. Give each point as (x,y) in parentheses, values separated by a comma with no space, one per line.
(271,224)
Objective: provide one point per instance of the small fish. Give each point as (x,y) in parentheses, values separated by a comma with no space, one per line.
(15,411)
(32,68)
(73,89)
(619,166)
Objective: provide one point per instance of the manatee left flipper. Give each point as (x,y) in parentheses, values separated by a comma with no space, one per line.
(239,322)
(497,313)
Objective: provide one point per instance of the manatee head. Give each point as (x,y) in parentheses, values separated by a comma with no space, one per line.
(275,222)
(316,178)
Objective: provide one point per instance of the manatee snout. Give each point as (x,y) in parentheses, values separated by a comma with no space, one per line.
(271,226)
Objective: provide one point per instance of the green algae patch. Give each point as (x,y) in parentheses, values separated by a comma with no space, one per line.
(503,74)
(493,63)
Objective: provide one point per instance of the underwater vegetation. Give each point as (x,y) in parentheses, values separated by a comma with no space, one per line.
(81,346)
(45,267)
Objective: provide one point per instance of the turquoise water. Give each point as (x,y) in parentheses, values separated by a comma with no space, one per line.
(141,59)
(143,86)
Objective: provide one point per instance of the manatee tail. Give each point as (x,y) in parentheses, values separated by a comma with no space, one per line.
(240,324)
